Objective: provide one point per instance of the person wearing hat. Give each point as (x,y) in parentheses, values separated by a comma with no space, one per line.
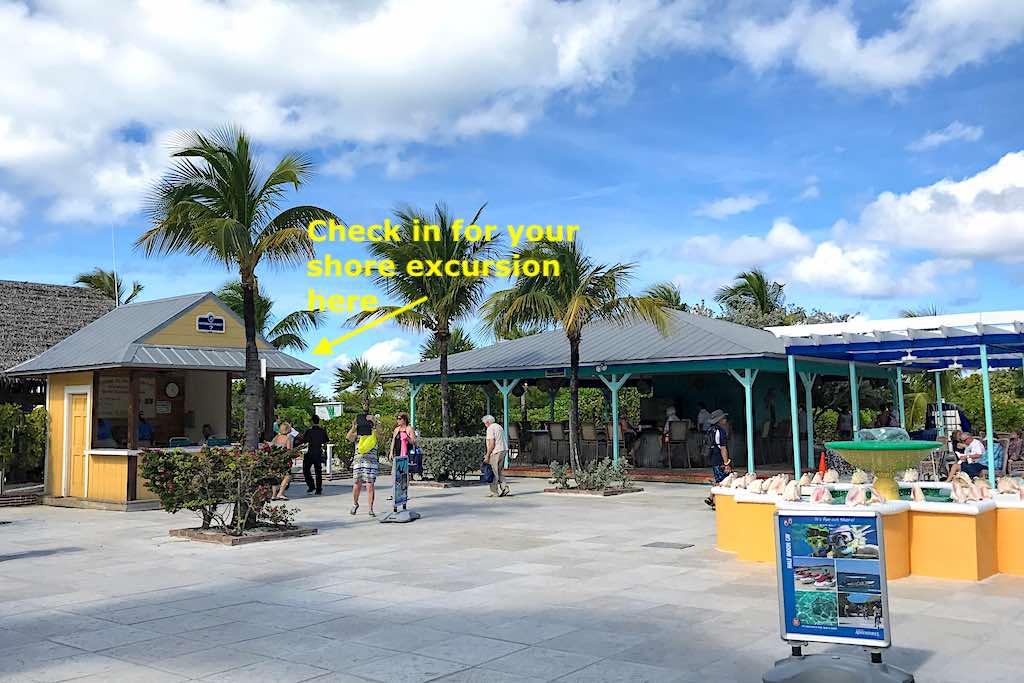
(718,449)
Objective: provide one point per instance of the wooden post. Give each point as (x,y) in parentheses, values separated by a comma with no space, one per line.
(133,435)
(268,407)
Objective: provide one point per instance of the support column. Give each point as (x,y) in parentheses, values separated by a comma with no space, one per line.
(899,397)
(747,380)
(793,417)
(940,418)
(552,394)
(988,414)
(413,390)
(808,379)
(854,401)
(614,384)
(505,386)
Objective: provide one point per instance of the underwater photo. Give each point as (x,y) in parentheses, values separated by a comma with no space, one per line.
(817,609)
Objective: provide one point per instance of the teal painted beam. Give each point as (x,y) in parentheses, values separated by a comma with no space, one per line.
(552,394)
(987,391)
(855,401)
(505,387)
(940,418)
(899,396)
(614,383)
(747,379)
(413,390)
(793,417)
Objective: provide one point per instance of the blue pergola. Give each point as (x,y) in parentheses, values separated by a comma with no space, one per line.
(931,343)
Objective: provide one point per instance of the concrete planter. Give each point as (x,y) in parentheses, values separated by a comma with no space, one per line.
(600,493)
(257,535)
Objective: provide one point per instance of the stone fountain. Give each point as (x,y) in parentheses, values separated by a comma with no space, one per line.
(883,458)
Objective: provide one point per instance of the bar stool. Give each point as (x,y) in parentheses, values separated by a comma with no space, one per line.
(557,436)
(589,436)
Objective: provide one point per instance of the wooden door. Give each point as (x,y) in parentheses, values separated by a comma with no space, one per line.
(77,445)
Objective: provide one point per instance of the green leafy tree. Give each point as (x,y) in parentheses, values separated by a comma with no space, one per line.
(297,395)
(288,332)
(582,293)
(217,203)
(457,343)
(753,288)
(448,299)
(921,312)
(107,282)
(364,380)
(669,293)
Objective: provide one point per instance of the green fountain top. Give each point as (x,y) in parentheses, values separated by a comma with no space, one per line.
(868,445)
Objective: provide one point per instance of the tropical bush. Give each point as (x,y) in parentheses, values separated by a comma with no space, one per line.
(595,475)
(227,487)
(452,457)
(22,441)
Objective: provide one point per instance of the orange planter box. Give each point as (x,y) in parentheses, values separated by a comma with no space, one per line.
(953,545)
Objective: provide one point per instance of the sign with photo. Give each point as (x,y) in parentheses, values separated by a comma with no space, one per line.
(401,472)
(329,410)
(831,570)
(209,323)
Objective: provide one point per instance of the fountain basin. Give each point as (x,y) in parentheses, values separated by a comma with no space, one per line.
(884,459)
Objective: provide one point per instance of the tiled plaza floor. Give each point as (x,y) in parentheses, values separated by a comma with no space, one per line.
(531,588)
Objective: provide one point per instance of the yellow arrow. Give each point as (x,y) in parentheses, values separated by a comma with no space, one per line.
(326,346)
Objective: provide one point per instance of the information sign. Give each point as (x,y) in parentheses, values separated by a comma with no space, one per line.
(329,410)
(401,472)
(832,585)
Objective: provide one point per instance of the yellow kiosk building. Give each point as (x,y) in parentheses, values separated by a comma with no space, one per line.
(150,374)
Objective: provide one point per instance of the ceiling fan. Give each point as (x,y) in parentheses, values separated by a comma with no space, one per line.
(955,365)
(907,359)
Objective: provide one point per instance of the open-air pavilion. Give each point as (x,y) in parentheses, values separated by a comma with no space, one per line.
(934,344)
(739,369)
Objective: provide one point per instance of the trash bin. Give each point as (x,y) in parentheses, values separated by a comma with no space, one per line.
(416,462)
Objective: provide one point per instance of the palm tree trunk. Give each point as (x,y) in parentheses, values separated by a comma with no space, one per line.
(443,337)
(574,408)
(253,388)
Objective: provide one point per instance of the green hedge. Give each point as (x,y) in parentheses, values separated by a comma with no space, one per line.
(22,441)
(453,457)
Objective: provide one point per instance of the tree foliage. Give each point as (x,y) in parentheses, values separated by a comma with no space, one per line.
(108,283)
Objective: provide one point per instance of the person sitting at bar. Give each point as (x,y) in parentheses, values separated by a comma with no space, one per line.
(971,462)
(144,433)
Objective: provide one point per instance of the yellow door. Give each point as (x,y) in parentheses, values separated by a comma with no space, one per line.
(79,422)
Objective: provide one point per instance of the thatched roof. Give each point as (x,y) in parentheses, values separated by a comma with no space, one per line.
(35,316)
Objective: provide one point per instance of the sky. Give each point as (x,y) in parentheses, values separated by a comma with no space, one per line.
(869,155)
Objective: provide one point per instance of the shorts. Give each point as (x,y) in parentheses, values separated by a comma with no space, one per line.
(365,468)
(718,472)
(973,469)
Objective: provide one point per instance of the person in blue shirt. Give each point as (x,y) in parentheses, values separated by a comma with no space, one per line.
(145,431)
(718,449)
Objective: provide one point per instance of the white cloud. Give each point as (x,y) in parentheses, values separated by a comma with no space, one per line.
(810,192)
(390,353)
(730,206)
(952,132)
(783,240)
(981,216)
(10,208)
(932,38)
(10,236)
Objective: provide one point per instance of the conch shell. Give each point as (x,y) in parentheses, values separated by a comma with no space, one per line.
(1007,485)
(792,491)
(777,484)
(910,475)
(860,477)
(857,496)
(831,477)
(960,493)
(963,478)
(757,486)
(805,479)
(916,494)
(821,495)
(739,483)
(748,478)
(817,479)
(876,497)
(727,482)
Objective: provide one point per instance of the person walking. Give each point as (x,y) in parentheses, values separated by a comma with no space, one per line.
(365,465)
(497,449)
(718,451)
(315,439)
(402,437)
(283,439)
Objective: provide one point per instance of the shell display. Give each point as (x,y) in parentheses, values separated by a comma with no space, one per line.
(739,483)
(910,475)
(821,495)
(792,491)
(1007,485)
(876,497)
(777,485)
(756,486)
(818,479)
(831,477)
(805,479)
(860,477)
(727,482)
(959,494)
(857,496)
(916,494)
(749,477)
(963,478)
(982,483)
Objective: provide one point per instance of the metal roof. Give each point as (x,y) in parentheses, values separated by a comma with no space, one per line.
(927,342)
(114,340)
(690,338)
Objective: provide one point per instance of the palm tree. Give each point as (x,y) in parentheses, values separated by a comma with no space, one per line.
(582,293)
(459,342)
(107,282)
(753,288)
(449,299)
(922,312)
(286,333)
(669,293)
(362,378)
(218,203)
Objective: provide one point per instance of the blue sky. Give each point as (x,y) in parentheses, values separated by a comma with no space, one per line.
(868,155)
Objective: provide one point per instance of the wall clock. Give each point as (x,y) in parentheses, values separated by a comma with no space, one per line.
(171,389)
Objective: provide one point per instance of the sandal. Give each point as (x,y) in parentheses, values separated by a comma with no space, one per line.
(355,508)
(372,513)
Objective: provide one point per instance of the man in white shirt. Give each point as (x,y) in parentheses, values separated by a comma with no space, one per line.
(497,449)
(703,418)
(972,462)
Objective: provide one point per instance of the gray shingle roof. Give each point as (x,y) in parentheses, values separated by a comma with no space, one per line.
(113,340)
(690,338)
(35,316)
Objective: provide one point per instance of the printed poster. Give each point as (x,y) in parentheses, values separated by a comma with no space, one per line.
(832,585)
(401,471)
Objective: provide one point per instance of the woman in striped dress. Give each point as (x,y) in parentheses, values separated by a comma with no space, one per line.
(365,465)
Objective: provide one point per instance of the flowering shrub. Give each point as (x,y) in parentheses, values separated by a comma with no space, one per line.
(216,482)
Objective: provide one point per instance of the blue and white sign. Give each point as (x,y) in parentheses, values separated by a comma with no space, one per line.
(209,323)
(401,472)
(832,585)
